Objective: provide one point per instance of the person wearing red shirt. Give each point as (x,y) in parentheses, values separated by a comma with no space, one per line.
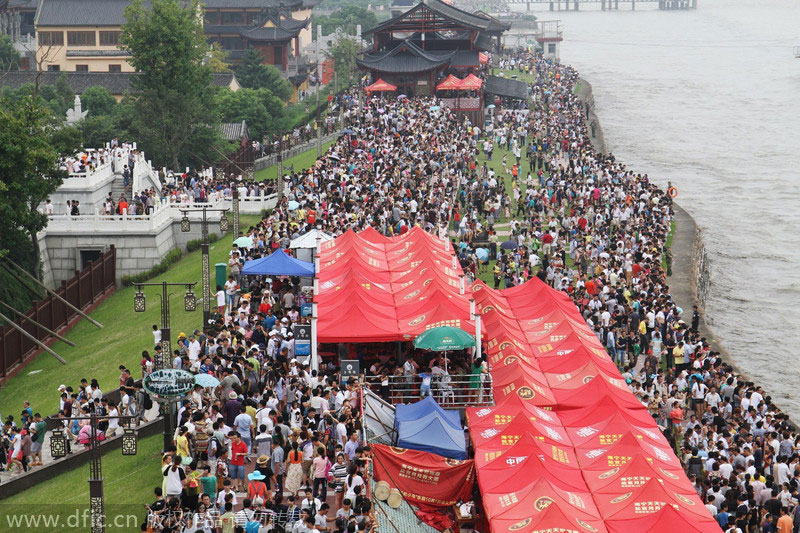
(238,453)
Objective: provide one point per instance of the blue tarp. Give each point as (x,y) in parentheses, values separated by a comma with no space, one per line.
(422,408)
(434,434)
(278,264)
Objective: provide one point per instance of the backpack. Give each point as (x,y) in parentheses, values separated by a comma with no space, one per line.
(147,401)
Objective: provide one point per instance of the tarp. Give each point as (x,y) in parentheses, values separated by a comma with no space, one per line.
(379,418)
(278,264)
(432,433)
(424,407)
(379,86)
(427,480)
(309,239)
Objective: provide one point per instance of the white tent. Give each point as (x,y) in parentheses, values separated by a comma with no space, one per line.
(378,418)
(306,243)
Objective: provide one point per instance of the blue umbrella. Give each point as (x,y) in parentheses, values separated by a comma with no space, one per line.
(435,108)
(482,254)
(293,205)
(206,380)
(509,245)
(348,131)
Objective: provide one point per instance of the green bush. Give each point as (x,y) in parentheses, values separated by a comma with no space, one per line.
(195,244)
(172,257)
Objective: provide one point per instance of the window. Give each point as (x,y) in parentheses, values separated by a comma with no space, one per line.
(232,43)
(53,68)
(109,38)
(551,48)
(80,38)
(253,19)
(277,56)
(232,18)
(81,68)
(115,68)
(211,17)
(51,38)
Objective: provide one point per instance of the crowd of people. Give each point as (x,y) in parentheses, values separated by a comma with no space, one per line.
(278,442)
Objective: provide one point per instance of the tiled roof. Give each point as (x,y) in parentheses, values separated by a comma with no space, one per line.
(406,57)
(447,11)
(115,82)
(81,13)
(254,4)
(234,131)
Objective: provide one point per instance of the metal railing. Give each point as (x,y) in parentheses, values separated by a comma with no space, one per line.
(456,390)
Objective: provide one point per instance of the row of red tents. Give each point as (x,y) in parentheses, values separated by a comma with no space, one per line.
(374,288)
(568,447)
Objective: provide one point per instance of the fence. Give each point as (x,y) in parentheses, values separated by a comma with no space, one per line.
(270,160)
(454,390)
(84,289)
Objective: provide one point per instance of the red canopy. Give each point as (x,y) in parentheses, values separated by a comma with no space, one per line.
(450,83)
(471,82)
(380,86)
(482,58)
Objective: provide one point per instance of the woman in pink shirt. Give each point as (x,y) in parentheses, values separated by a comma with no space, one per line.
(321,467)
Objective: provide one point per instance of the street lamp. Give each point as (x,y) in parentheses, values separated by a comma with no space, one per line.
(204,246)
(189,301)
(186,226)
(138,301)
(58,449)
(224,224)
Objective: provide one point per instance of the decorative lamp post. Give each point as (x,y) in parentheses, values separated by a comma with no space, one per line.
(204,246)
(58,444)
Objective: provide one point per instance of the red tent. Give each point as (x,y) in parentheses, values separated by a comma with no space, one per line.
(551,518)
(667,520)
(450,83)
(471,83)
(482,58)
(380,86)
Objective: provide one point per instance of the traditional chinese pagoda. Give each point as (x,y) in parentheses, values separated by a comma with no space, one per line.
(416,49)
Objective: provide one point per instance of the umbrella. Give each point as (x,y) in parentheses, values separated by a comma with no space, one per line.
(334,156)
(444,338)
(435,108)
(509,245)
(482,254)
(206,380)
(400,97)
(348,131)
(293,205)
(490,106)
(381,110)
(243,242)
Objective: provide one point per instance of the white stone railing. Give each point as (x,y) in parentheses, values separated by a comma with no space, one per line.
(164,213)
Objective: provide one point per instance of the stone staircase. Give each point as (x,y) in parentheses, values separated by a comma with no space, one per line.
(118,187)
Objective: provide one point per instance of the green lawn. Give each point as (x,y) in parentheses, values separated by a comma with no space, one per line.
(99,352)
(520,75)
(301,161)
(128,485)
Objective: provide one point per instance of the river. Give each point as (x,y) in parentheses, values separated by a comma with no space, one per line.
(710,100)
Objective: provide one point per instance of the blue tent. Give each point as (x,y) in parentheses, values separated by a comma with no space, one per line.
(434,434)
(278,264)
(422,408)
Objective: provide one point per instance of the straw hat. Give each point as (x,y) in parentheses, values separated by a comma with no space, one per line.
(262,459)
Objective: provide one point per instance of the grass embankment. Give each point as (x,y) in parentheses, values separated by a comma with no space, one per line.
(128,485)
(99,352)
(302,160)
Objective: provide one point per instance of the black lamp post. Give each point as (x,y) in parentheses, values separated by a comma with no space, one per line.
(58,449)
(204,246)
(189,304)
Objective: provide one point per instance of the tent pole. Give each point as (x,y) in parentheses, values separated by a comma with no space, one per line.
(51,332)
(314,354)
(33,339)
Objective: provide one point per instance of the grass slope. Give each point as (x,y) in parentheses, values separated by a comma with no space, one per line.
(302,160)
(99,352)
(128,485)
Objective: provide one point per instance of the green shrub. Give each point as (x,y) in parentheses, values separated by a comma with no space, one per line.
(172,257)
(195,244)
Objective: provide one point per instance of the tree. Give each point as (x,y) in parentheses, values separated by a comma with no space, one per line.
(32,139)
(217,59)
(253,74)
(346,19)
(98,102)
(344,54)
(262,110)
(173,91)
(9,57)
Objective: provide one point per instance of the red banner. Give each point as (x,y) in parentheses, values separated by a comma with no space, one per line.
(428,480)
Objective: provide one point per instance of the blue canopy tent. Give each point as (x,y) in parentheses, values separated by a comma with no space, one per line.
(278,264)
(415,411)
(434,434)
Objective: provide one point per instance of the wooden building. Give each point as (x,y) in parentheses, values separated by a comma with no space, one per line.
(417,48)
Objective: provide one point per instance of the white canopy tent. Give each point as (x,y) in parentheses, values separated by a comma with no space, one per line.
(306,244)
